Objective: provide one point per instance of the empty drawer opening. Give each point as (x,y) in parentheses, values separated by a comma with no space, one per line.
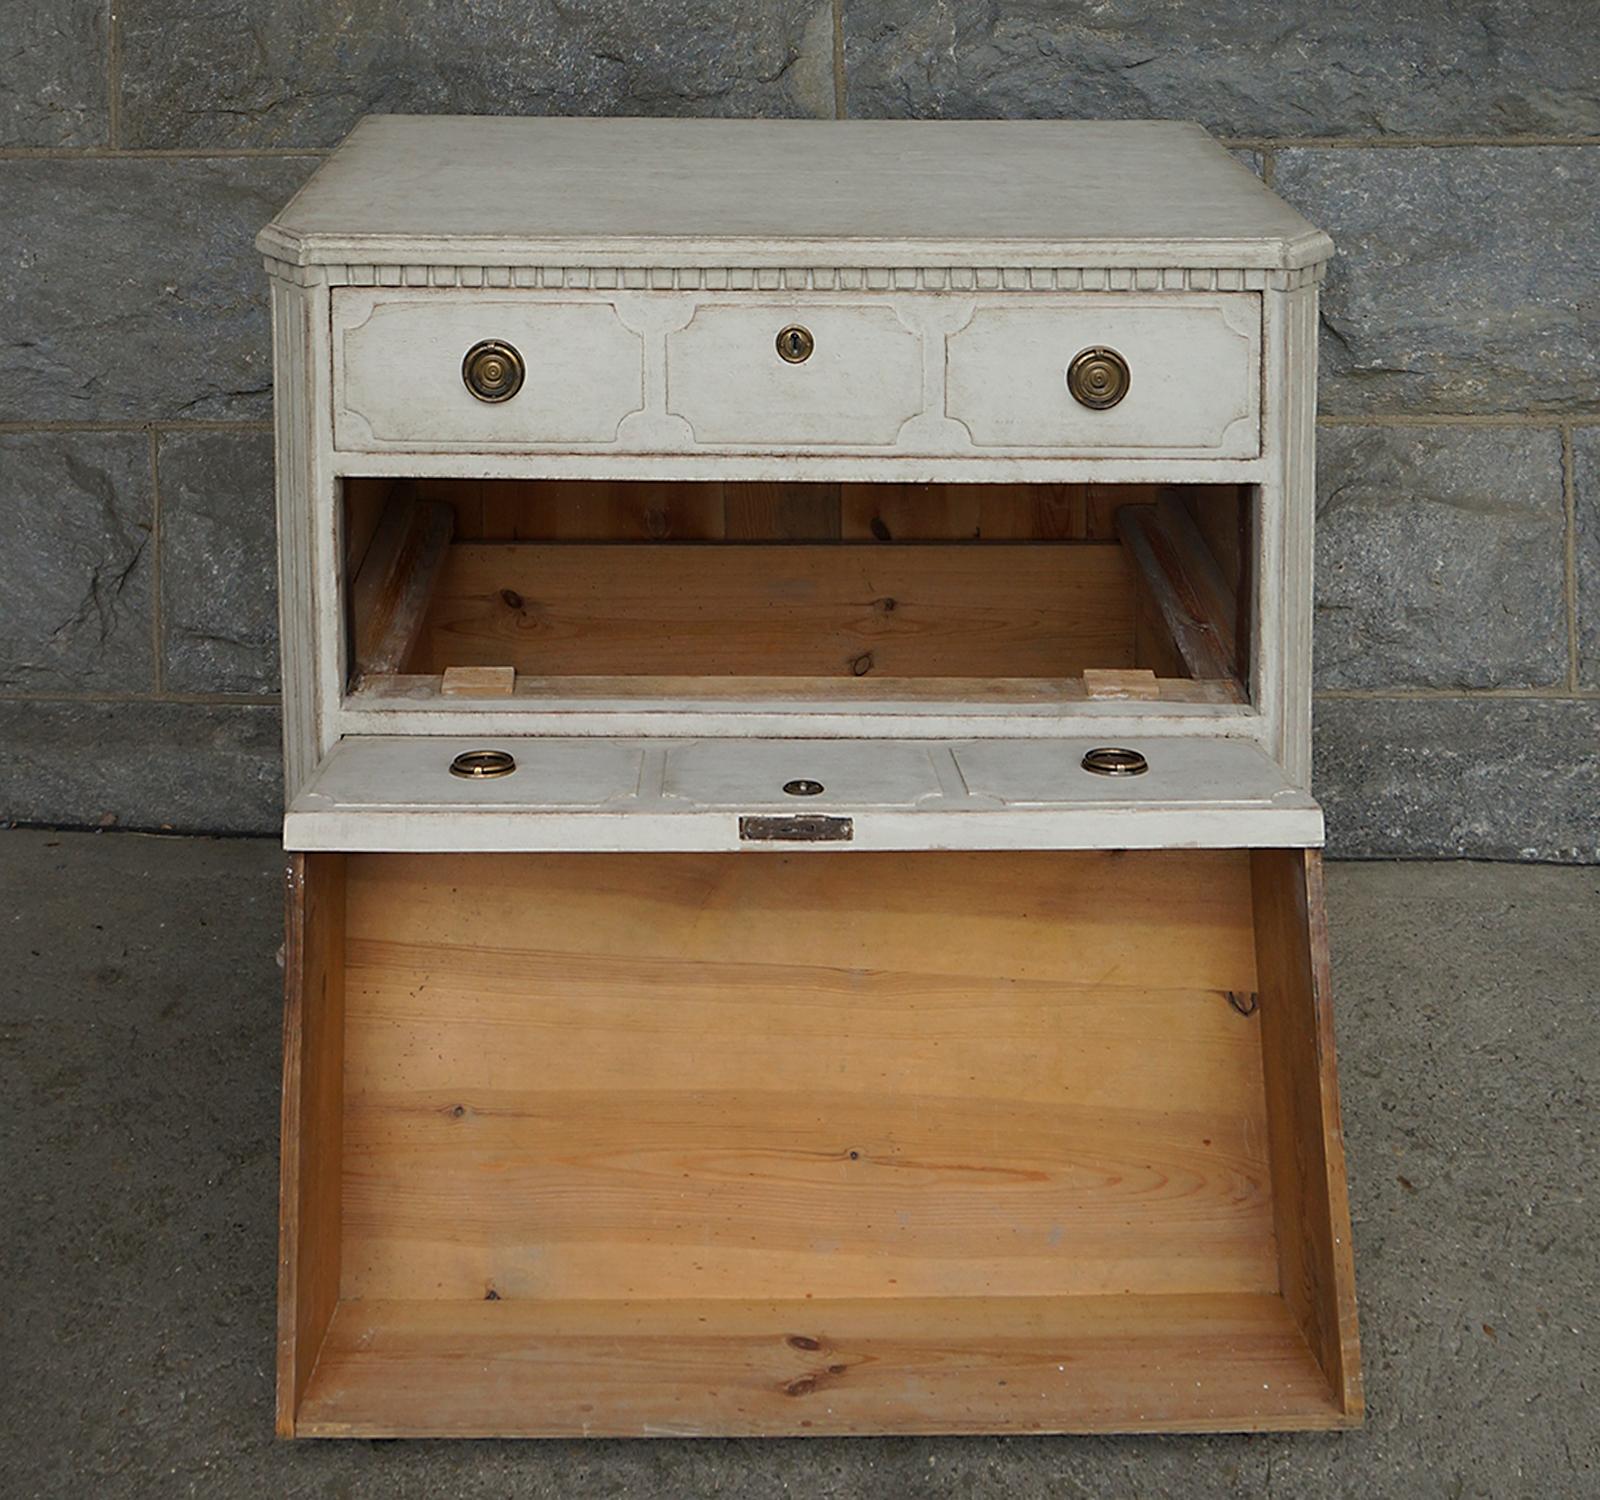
(607,1144)
(537,591)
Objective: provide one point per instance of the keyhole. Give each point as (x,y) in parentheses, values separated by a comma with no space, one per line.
(795,344)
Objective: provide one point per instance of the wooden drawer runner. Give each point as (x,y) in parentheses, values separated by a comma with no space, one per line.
(704,1143)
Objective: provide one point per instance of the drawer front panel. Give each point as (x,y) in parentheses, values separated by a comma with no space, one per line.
(1194,367)
(398,385)
(858,386)
(394,792)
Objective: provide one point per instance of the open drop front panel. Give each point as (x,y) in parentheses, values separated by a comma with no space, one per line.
(694,1143)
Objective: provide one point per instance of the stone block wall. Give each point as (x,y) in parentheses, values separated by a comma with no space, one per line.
(1452,147)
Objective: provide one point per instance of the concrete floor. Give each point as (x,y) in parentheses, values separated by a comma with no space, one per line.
(139,1076)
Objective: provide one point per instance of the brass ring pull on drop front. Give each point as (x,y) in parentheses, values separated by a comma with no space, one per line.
(481,765)
(493,370)
(1098,378)
(1115,760)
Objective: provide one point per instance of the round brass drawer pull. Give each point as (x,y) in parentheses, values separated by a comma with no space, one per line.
(1098,378)
(493,370)
(795,344)
(1114,760)
(481,765)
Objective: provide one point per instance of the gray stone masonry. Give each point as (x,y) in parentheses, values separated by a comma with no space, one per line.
(1452,148)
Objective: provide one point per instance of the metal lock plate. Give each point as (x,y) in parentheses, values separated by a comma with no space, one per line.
(797,829)
(795,344)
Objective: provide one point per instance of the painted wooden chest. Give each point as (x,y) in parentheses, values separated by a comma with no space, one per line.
(805,910)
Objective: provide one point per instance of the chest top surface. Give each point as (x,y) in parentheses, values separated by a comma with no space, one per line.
(1131,193)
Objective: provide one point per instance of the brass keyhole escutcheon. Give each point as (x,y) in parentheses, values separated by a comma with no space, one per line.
(1115,760)
(1098,378)
(795,344)
(483,765)
(493,370)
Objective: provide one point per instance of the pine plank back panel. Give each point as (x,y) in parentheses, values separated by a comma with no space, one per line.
(898,611)
(699,1075)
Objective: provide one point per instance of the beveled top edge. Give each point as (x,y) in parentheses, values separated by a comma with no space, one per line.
(593,191)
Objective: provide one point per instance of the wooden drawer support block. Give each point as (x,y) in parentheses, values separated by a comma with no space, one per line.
(714,1143)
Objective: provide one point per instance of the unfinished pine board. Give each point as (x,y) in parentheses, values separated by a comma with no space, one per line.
(602,511)
(670,1129)
(994,512)
(1124,682)
(478,682)
(1223,519)
(312,1120)
(1215,1363)
(1317,1263)
(621,1137)
(847,611)
(365,501)
(757,512)
(777,511)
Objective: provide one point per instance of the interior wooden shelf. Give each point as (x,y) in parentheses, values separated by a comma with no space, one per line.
(1198,1363)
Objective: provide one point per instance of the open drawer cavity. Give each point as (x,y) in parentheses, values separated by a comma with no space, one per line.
(533,594)
(695,1143)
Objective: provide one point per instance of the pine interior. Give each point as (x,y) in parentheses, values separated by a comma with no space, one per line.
(1028,1142)
(819,581)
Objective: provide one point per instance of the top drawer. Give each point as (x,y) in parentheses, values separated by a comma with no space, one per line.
(1157,374)
(400,371)
(998,375)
